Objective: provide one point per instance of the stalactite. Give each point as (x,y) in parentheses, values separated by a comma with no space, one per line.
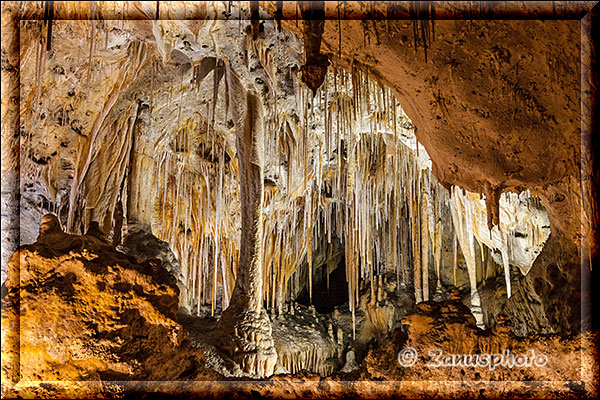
(461,217)
(454,257)
(316,63)
(416,230)
(425,239)
(92,42)
(356,178)
(437,245)
(48,17)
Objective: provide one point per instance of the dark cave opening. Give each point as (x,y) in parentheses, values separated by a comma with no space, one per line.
(326,298)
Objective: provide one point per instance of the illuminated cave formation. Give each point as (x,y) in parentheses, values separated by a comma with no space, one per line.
(264,192)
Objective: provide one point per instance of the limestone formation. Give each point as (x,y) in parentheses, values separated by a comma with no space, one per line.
(74,309)
(351,364)
(245,323)
(294,192)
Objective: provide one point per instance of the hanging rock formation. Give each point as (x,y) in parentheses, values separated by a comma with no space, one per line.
(243,163)
(315,66)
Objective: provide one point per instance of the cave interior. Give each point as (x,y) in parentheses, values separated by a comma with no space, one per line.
(219,190)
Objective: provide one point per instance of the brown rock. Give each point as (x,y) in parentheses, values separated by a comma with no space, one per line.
(76,311)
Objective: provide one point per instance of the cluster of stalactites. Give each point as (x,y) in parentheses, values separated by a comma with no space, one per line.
(523,228)
(199,226)
(347,171)
(342,168)
(362,181)
(345,166)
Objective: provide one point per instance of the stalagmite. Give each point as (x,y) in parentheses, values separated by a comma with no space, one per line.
(283,187)
(417,275)
(340,175)
(454,257)
(438,254)
(351,363)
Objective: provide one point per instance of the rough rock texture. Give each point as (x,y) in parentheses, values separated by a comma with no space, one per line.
(555,284)
(306,340)
(246,337)
(144,246)
(449,326)
(492,139)
(75,309)
(10,127)
(384,308)
(486,96)
(137,61)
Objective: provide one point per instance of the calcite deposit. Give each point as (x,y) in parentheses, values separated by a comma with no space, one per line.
(295,193)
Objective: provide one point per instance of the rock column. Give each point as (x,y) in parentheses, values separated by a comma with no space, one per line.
(246,327)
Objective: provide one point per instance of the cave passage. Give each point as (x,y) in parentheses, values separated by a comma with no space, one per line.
(326,299)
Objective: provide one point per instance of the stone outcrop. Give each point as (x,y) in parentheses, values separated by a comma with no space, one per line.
(437,341)
(74,309)
(144,246)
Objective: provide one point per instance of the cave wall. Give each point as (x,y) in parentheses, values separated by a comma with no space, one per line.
(490,140)
(522,132)
(485,141)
